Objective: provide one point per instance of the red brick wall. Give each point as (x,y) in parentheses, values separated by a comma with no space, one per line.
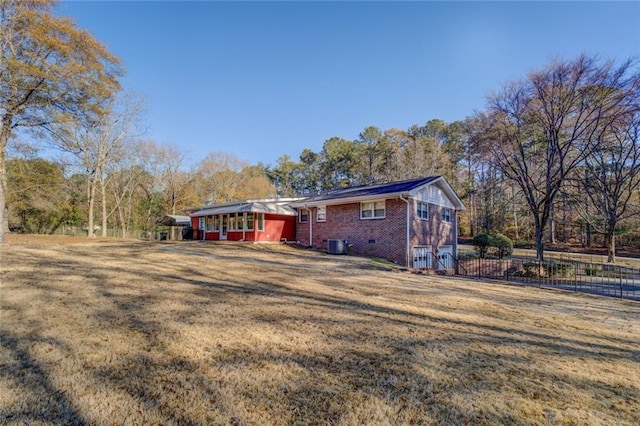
(384,238)
(433,231)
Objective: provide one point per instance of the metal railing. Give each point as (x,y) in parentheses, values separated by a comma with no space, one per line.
(561,273)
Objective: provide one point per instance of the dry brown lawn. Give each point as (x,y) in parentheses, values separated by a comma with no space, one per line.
(127,332)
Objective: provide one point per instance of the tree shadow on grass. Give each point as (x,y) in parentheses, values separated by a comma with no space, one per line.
(328,382)
(46,403)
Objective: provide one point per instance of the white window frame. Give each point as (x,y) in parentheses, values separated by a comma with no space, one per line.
(321,214)
(259,218)
(446,215)
(300,216)
(201,223)
(424,209)
(241,221)
(251,218)
(208,220)
(373,209)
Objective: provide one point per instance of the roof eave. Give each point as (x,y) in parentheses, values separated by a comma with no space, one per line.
(347,200)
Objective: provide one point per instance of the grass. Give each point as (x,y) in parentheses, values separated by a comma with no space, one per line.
(112,332)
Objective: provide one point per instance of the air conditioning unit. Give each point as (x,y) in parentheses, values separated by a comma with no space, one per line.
(337,246)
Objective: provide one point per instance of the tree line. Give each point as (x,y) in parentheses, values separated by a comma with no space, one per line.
(554,156)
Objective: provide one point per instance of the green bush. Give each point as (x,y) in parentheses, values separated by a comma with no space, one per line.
(564,270)
(591,271)
(482,242)
(502,245)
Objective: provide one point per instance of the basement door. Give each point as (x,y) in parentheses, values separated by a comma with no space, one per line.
(445,257)
(422,257)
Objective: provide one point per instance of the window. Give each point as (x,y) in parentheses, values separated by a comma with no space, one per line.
(321,214)
(423,210)
(232,222)
(303,216)
(446,215)
(260,219)
(201,227)
(240,221)
(372,210)
(216,223)
(249,221)
(209,223)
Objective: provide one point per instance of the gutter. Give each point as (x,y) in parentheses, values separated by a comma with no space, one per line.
(406,200)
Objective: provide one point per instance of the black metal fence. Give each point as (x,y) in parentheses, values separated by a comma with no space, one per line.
(560,272)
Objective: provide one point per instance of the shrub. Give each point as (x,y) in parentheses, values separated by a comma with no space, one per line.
(482,242)
(503,245)
(534,270)
(591,271)
(560,270)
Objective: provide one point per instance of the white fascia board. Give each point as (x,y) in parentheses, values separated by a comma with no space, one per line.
(444,185)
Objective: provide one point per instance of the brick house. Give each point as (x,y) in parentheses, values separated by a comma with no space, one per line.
(412,223)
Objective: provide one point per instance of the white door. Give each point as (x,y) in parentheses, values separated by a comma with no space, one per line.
(224,223)
(422,257)
(445,257)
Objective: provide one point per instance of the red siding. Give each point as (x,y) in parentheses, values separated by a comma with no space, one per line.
(276,228)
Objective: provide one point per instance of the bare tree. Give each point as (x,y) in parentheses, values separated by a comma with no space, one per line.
(611,179)
(95,145)
(542,128)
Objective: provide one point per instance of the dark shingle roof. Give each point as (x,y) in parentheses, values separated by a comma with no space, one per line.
(371,190)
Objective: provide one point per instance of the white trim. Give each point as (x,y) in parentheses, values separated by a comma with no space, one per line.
(373,211)
(418,202)
(449,214)
(300,215)
(441,183)
(445,261)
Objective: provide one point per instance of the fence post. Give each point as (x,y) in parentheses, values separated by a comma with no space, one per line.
(620,275)
(540,277)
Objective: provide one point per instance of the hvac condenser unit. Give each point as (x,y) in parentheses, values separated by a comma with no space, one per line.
(337,246)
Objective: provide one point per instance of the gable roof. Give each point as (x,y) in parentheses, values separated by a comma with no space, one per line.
(364,192)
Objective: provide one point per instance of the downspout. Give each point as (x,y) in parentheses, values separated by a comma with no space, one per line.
(455,242)
(406,200)
(244,227)
(310,228)
(455,234)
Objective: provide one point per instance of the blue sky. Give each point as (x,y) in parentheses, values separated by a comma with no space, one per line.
(263,79)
